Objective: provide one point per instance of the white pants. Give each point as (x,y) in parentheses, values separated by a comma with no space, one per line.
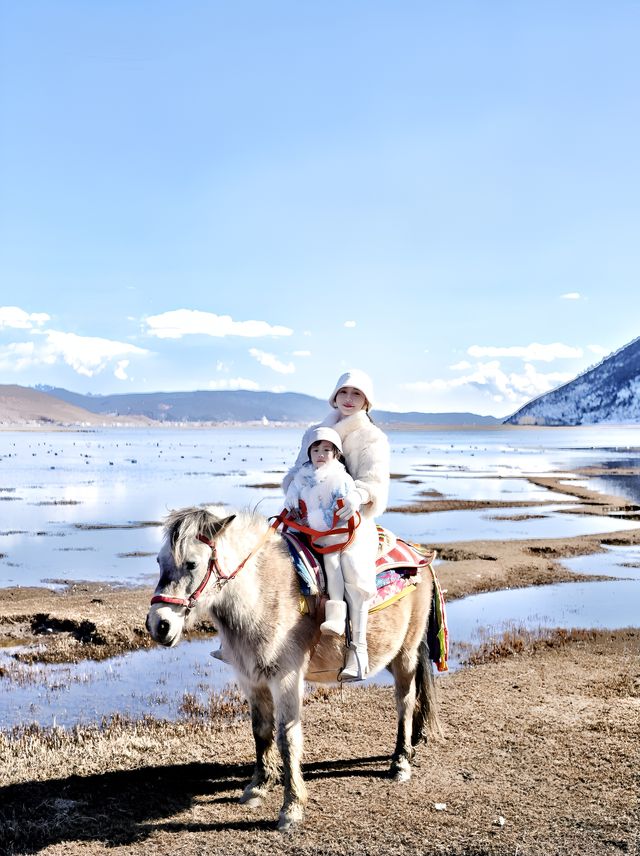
(352,571)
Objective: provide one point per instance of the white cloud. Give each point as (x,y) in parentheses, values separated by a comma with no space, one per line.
(193,322)
(302,353)
(463,365)
(599,350)
(349,323)
(121,370)
(18,319)
(86,355)
(234,383)
(530,353)
(17,356)
(571,295)
(496,383)
(272,362)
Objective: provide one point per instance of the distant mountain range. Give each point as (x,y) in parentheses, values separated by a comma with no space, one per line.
(20,405)
(46,405)
(608,392)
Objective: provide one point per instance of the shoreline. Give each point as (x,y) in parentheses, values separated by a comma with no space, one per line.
(97,620)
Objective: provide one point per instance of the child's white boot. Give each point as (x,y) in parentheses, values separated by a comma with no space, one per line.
(335,617)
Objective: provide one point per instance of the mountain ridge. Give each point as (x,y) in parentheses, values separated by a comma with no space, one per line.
(228,406)
(20,406)
(607,392)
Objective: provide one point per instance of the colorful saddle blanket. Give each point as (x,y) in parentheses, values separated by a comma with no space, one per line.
(399,566)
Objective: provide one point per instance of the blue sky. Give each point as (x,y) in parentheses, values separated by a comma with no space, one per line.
(219,195)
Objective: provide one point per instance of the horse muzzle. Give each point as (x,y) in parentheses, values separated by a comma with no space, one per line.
(164,625)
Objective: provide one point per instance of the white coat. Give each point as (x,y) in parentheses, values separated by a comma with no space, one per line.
(320,490)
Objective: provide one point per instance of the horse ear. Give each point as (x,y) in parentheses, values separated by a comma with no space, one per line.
(219,526)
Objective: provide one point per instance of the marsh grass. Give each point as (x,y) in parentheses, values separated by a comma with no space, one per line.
(520,640)
(227,704)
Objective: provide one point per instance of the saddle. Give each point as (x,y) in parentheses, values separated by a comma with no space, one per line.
(398,571)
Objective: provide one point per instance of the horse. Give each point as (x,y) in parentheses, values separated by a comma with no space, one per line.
(236,571)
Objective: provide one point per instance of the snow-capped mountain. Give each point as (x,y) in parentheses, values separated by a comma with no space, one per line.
(608,392)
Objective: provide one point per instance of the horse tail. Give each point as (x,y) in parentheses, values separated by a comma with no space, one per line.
(425,712)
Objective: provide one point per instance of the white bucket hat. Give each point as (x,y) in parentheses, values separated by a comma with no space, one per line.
(358,379)
(323,433)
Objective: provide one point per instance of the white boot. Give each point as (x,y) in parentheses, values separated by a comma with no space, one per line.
(335,617)
(356,666)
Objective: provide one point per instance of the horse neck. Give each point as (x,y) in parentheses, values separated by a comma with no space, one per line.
(239,601)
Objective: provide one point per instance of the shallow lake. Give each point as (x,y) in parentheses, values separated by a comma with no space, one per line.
(77,505)
(85,506)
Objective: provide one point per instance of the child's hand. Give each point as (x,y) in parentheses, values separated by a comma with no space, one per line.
(352,502)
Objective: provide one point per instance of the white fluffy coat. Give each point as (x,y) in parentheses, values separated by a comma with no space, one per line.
(320,490)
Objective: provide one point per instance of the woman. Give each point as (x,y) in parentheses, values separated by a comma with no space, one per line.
(366,452)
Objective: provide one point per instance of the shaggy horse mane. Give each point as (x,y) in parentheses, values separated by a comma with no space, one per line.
(183,525)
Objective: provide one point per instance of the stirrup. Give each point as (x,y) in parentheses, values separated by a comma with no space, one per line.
(356,667)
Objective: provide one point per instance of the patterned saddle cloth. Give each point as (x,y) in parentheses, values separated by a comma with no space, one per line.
(399,566)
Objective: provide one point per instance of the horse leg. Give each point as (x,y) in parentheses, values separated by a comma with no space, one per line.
(267,769)
(404,670)
(289,735)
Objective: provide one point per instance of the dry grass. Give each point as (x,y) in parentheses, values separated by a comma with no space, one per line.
(540,757)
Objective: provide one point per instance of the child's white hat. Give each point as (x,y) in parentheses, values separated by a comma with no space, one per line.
(358,379)
(324,433)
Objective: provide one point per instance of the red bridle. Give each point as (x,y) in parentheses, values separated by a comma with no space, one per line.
(212,565)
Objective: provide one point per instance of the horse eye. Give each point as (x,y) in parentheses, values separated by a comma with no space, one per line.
(190,566)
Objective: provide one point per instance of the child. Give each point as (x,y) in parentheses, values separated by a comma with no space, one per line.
(320,482)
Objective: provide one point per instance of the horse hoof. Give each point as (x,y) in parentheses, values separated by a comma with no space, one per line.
(287,825)
(290,820)
(400,771)
(251,798)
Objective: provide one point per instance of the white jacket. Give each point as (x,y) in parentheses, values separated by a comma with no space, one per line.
(320,490)
(366,453)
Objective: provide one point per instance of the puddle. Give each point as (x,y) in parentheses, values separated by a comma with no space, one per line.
(144,682)
(608,605)
(135,684)
(491,524)
(615,562)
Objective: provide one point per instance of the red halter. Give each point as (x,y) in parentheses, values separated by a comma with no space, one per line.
(212,565)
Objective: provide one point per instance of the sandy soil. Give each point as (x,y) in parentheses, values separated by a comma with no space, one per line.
(540,753)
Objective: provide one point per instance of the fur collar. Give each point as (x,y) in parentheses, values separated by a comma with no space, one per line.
(355,422)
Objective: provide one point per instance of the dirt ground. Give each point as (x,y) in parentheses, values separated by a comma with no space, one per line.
(540,755)
(540,752)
